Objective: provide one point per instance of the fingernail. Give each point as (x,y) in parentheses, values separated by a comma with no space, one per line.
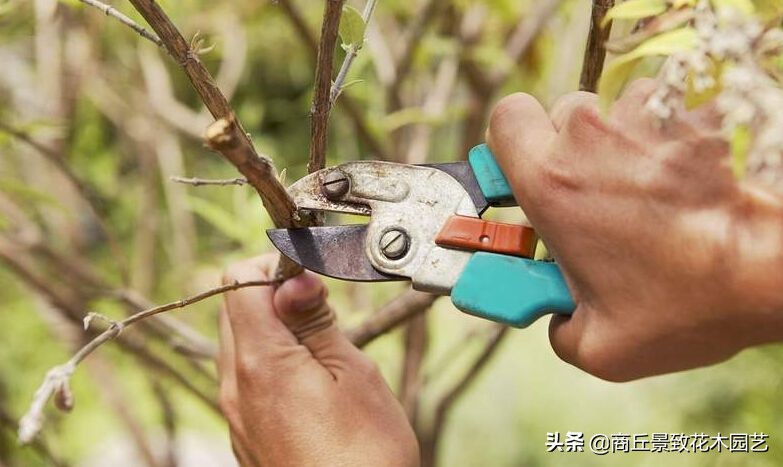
(306,292)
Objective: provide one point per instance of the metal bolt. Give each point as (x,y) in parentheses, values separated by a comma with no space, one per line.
(335,185)
(394,244)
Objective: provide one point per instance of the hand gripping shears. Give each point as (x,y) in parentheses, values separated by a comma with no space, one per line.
(425,226)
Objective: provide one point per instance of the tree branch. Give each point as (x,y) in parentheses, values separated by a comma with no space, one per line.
(109,10)
(412,379)
(57,380)
(443,408)
(350,55)
(595,52)
(350,106)
(322,104)
(391,315)
(202,182)
(226,135)
(523,36)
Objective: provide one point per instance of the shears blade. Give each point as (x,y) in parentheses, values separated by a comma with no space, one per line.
(333,251)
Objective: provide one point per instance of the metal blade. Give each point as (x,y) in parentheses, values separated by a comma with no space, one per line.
(463,173)
(334,251)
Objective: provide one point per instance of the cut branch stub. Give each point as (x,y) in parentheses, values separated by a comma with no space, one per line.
(225,137)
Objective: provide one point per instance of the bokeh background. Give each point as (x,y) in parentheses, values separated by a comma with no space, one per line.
(82,94)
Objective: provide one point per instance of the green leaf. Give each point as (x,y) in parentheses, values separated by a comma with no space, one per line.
(352,27)
(619,70)
(743,6)
(635,9)
(740,146)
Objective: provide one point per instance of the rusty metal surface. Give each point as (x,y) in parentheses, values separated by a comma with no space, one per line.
(336,251)
(463,173)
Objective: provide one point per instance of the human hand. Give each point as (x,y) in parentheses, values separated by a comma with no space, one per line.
(673,264)
(295,391)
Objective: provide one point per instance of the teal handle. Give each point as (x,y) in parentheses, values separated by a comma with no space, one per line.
(490,178)
(510,290)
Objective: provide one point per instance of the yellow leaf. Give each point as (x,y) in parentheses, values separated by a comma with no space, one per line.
(617,72)
(635,9)
(740,146)
(693,98)
(770,11)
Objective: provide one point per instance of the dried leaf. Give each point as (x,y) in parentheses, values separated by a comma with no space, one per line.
(63,396)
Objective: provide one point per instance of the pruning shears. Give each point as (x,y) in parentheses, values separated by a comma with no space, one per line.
(425,226)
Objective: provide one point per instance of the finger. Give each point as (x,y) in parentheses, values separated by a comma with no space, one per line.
(256,328)
(520,134)
(566,333)
(301,305)
(225,358)
(564,108)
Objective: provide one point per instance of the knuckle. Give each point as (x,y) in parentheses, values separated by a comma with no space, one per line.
(369,370)
(584,116)
(507,108)
(248,368)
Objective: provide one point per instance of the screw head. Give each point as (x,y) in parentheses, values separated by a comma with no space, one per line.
(335,185)
(394,244)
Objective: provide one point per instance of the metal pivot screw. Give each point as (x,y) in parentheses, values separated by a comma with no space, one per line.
(335,185)
(394,244)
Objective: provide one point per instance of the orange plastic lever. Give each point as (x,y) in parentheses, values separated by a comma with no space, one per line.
(472,233)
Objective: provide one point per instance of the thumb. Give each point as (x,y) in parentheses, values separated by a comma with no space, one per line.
(300,303)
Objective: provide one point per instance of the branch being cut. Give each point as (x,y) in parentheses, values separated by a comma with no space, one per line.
(595,53)
(57,380)
(226,135)
(322,104)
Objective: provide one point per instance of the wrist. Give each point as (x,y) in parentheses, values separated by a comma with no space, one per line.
(758,279)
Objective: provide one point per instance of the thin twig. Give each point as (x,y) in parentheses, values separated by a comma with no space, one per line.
(595,52)
(430,443)
(93,200)
(322,105)
(350,55)
(391,315)
(71,308)
(354,110)
(109,10)
(57,380)
(524,35)
(203,181)
(226,135)
(412,379)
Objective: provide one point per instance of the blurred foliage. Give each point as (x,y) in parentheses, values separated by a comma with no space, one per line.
(75,80)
